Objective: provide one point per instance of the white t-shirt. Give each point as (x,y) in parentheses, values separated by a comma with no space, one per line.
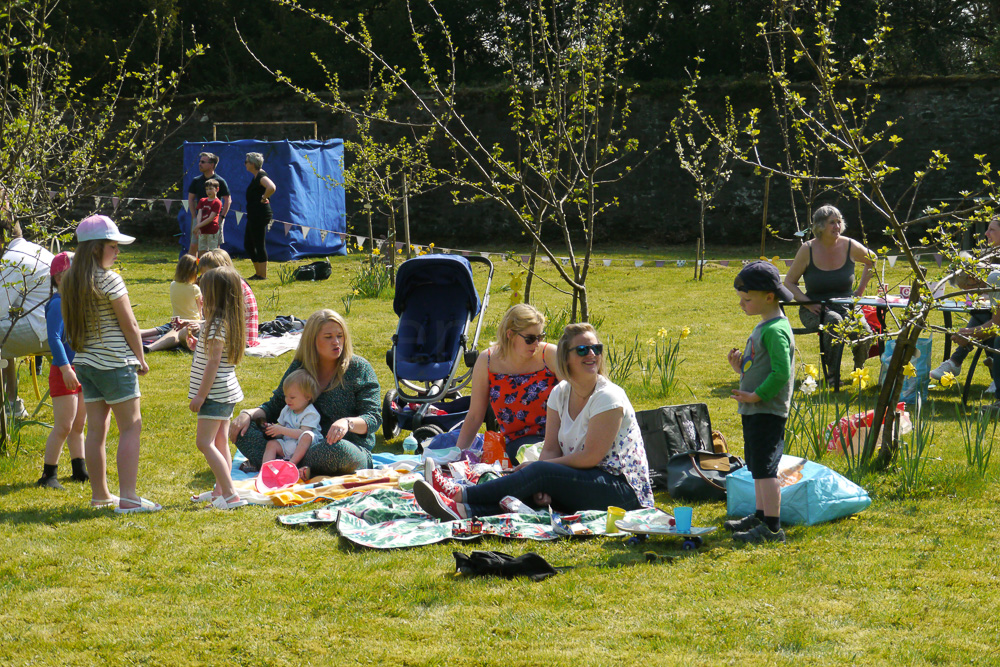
(106,347)
(307,420)
(24,275)
(627,456)
(226,388)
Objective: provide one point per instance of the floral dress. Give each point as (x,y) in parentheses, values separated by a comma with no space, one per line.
(519,401)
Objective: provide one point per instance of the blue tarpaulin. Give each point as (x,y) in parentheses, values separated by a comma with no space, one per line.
(308,206)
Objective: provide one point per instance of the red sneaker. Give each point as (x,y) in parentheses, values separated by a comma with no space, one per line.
(434,503)
(444,485)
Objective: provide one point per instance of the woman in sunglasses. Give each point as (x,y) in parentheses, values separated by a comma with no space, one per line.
(593,455)
(515,376)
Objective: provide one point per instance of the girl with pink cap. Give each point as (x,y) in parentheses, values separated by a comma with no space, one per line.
(102,329)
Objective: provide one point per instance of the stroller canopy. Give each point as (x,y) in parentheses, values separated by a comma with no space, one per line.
(436,270)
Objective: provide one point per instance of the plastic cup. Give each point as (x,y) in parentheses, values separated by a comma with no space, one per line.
(614,514)
(682,518)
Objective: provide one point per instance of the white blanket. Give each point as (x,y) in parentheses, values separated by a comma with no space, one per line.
(274,346)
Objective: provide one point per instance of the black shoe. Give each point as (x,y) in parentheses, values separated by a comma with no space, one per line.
(256,277)
(246,466)
(760,533)
(50,482)
(741,525)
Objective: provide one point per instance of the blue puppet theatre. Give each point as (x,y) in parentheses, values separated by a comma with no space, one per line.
(309,205)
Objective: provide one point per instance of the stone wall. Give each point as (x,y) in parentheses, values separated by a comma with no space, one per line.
(956,116)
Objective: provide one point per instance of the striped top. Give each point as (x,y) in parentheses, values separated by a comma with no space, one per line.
(226,388)
(106,347)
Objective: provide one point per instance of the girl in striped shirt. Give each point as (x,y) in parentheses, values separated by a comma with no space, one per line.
(214,390)
(101,327)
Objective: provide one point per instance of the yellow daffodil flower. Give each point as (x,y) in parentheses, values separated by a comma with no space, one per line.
(860,378)
(651,342)
(685,332)
(662,332)
(947,380)
(910,370)
(812,371)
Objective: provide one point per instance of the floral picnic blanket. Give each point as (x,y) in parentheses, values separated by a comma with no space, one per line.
(391,519)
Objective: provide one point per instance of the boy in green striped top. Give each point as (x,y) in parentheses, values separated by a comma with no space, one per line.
(766,375)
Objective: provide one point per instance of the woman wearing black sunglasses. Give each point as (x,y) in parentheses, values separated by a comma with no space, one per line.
(593,455)
(514,376)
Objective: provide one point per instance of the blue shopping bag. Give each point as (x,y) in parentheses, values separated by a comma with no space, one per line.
(819,495)
(921,360)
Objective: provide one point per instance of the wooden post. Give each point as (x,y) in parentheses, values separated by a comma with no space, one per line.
(371,233)
(697,254)
(406,216)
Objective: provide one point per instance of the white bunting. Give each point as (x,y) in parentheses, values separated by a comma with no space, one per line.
(360,239)
(638,263)
(305,231)
(152,203)
(128,202)
(185,202)
(288,228)
(239,216)
(606,262)
(97,202)
(892,260)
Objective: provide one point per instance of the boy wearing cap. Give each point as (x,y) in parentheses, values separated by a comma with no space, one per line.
(764,397)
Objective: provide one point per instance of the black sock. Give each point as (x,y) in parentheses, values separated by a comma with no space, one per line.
(773,523)
(49,470)
(49,478)
(760,515)
(80,470)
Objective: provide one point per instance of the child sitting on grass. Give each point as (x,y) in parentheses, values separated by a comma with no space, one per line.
(298,424)
(764,397)
(186,301)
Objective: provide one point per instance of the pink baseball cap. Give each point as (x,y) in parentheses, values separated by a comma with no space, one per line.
(60,263)
(100,228)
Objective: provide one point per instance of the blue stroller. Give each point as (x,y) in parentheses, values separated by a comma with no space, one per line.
(436,300)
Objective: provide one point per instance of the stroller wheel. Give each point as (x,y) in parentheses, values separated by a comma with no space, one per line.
(426,432)
(491,420)
(390,425)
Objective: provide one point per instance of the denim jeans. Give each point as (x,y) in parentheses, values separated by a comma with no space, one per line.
(572,489)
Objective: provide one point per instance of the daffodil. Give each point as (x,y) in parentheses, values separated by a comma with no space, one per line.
(685,332)
(947,379)
(662,332)
(808,386)
(812,371)
(910,370)
(357,292)
(860,378)
(651,342)
(376,251)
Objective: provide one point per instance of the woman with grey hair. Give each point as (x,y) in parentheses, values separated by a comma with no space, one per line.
(827,264)
(259,193)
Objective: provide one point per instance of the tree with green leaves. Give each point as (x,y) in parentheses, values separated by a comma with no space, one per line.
(66,138)
(831,101)
(568,104)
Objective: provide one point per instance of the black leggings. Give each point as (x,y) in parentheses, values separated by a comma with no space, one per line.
(253,238)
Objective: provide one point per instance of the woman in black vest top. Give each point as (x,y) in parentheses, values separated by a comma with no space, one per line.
(258,215)
(827,264)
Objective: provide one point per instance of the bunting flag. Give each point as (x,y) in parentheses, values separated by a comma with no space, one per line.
(525,258)
(185,202)
(288,228)
(638,263)
(239,216)
(97,203)
(788,263)
(681,262)
(128,202)
(322,236)
(938,258)
(166,204)
(305,231)
(360,239)
(892,260)
(269,225)
(659,263)
(152,203)
(564,261)
(114,203)
(485,254)
(724,262)
(607,262)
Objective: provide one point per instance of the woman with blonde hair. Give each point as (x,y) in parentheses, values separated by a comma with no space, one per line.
(514,376)
(349,402)
(593,456)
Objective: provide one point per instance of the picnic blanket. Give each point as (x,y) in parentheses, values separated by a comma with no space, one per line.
(385,475)
(275,346)
(391,519)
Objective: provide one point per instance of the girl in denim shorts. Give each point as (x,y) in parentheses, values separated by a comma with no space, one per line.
(101,327)
(214,390)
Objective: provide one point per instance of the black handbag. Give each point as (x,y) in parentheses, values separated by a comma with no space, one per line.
(698,475)
(670,430)
(320,270)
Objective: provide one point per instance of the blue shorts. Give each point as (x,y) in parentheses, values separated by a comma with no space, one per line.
(763,444)
(115,386)
(214,410)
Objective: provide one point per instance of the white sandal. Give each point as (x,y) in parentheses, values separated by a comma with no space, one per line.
(203,497)
(143,506)
(223,503)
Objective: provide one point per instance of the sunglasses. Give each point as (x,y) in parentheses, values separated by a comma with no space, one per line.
(584,350)
(531,339)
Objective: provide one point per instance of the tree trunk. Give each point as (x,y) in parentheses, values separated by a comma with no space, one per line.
(531,264)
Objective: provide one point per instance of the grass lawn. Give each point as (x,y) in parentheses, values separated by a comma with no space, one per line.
(912,580)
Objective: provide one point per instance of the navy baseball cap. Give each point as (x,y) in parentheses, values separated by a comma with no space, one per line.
(761,276)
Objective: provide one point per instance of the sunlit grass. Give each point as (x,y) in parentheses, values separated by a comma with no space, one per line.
(913,580)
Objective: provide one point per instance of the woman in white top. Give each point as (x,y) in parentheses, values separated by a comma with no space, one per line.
(593,455)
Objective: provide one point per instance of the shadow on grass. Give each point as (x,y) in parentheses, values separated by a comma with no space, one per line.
(54,516)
